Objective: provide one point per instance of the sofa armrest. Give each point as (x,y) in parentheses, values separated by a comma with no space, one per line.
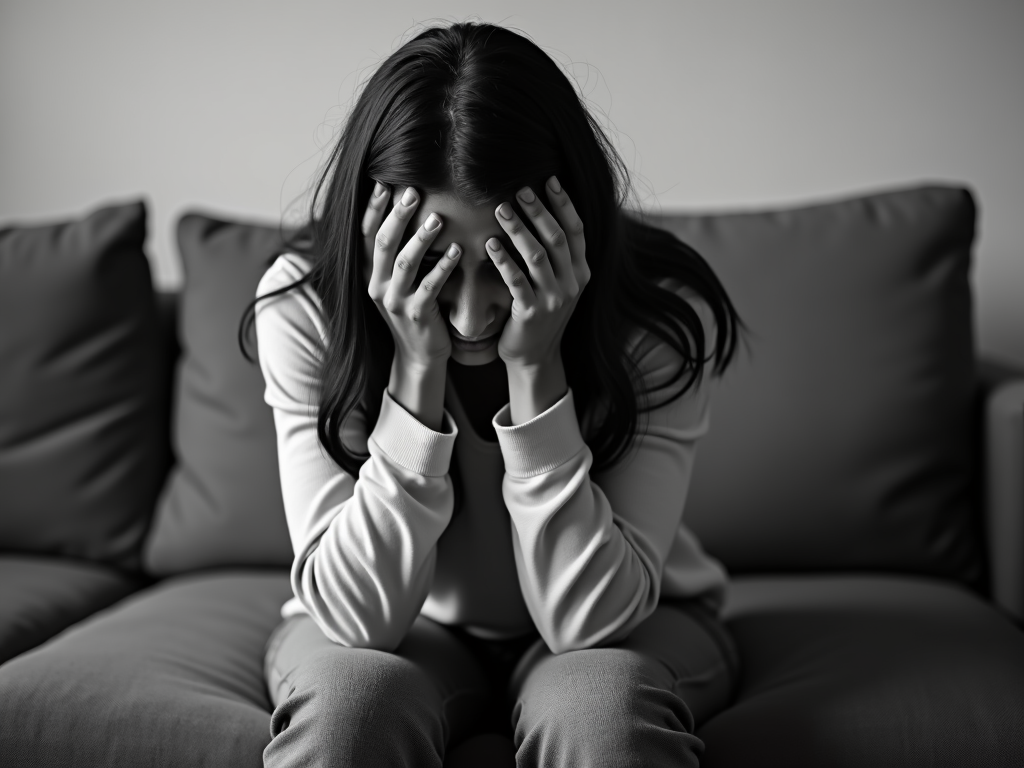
(1003,392)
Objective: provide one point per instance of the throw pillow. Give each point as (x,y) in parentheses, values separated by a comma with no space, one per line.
(222,505)
(82,433)
(843,440)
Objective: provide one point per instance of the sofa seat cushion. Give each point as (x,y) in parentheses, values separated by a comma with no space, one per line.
(171,676)
(847,670)
(40,596)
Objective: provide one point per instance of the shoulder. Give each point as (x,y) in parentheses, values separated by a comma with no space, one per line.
(293,315)
(285,269)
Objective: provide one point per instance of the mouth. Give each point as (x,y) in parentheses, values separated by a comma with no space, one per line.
(459,342)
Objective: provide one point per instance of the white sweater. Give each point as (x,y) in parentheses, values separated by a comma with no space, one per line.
(540,541)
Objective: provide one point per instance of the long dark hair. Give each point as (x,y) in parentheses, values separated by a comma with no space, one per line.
(479,111)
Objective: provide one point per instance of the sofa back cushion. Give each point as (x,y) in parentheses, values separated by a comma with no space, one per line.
(842,440)
(222,505)
(83,438)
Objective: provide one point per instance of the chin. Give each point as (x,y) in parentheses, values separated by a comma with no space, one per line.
(483,357)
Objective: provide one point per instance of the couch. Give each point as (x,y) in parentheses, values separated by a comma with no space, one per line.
(863,482)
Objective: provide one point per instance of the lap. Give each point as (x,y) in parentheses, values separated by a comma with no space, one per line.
(681,651)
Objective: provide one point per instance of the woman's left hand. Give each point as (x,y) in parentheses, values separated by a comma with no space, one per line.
(542,304)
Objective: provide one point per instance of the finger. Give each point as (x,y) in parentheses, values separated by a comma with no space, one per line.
(375,210)
(513,276)
(389,235)
(407,263)
(534,254)
(372,217)
(551,233)
(434,280)
(571,223)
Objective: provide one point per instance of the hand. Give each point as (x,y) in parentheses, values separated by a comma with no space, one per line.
(558,269)
(421,337)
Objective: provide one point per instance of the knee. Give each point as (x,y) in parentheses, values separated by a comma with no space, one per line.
(568,684)
(359,686)
(605,692)
(342,700)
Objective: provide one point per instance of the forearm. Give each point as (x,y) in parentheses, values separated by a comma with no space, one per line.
(419,390)
(365,546)
(366,578)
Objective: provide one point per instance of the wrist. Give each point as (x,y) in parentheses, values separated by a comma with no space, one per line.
(419,368)
(534,389)
(531,372)
(419,388)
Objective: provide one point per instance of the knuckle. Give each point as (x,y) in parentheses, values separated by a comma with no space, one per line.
(577,227)
(515,227)
(538,257)
(403,264)
(518,279)
(558,239)
(415,314)
(383,241)
(428,285)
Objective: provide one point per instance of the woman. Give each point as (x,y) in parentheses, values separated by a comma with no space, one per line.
(458,350)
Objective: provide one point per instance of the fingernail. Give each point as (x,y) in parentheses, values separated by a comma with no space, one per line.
(505,211)
(453,251)
(409,197)
(554,185)
(379,190)
(431,223)
(526,195)
(494,245)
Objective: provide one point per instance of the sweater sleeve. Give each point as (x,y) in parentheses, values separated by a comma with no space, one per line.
(590,550)
(365,547)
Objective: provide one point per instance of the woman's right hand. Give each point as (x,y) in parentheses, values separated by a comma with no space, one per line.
(411,312)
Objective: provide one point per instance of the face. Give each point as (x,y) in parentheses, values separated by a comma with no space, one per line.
(474,301)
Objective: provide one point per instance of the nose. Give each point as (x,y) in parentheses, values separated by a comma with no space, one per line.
(473,310)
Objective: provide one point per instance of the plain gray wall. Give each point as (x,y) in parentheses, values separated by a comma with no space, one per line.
(725,104)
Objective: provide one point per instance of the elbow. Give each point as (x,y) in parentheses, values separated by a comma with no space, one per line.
(350,631)
(585,622)
(352,619)
(559,643)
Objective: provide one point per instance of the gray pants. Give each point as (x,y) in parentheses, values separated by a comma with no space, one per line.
(636,703)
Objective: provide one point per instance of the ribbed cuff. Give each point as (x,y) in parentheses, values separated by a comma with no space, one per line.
(546,441)
(410,443)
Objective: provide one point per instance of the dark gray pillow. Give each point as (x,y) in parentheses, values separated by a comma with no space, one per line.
(844,440)
(222,505)
(82,433)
